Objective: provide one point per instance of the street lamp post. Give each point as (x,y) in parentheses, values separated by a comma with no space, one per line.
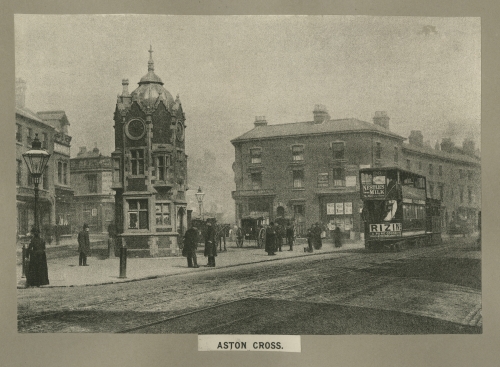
(36,159)
(199,196)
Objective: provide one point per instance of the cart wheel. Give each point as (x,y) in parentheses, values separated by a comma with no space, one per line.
(261,238)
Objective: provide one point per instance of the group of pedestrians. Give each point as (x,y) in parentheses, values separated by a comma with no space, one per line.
(315,237)
(36,260)
(275,234)
(190,246)
(36,269)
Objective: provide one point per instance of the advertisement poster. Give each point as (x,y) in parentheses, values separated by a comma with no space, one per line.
(339,208)
(330,209)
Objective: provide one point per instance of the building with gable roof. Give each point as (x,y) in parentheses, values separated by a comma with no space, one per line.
(149,167)
(55,195)
(308,171)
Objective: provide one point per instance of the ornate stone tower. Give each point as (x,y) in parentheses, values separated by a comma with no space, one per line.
(149,168)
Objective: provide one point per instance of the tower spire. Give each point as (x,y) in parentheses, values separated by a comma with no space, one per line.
(151,64)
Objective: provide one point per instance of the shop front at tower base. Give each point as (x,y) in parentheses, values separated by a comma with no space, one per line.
(151,245)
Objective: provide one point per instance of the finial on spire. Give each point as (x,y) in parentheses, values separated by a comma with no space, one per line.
(151,65)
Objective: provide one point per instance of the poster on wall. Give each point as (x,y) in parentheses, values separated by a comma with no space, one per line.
(350,181)
(348,224)
(330,208)
(348,208)
(339,208)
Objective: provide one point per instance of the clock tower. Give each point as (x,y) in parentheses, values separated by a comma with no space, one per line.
(149,168)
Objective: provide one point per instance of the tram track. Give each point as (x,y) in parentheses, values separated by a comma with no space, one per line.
(169,295)
(316,283)
(113,302)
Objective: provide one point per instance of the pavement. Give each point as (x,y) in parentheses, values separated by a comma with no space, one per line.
(65,272)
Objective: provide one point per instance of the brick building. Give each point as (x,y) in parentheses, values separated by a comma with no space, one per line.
(149,168)
(453,175)
(55,194)
(94,200)
(308,170)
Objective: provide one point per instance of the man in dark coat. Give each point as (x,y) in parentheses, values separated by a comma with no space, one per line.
(310,240)
(316,233)
(190,246)
(271,239)
(210,245)
(279,236)
(83,245)
(37,274)
(337,239)
(290,235)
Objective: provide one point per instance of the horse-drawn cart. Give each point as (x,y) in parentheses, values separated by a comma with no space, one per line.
(252,229)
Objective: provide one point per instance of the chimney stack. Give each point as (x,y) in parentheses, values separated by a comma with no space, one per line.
(125,92)
(20,92)
(469,147)
(416,138)
(447,145)
(320,114)
(381,119)
(82,151)
(260,121)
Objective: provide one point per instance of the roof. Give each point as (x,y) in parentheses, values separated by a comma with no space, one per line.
(442,154)
(53,116)
(309,127)
(389,168)
(26,112)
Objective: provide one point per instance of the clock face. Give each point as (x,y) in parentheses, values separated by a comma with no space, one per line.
(180,131)
(135,129)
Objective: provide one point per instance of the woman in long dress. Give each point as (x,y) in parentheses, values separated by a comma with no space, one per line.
(37,274)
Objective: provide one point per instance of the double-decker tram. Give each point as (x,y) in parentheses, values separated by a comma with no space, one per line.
(396,211)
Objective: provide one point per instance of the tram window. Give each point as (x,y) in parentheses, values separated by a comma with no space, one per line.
(407,179)
(366,178)
(406,211)
(420,183)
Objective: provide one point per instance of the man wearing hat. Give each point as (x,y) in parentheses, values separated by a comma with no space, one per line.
(210,245)
(83,245)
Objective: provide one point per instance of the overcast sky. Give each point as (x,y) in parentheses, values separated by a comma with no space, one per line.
(425,72)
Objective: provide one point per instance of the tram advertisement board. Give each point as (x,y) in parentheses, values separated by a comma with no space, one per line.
(385,230)
(373,191)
